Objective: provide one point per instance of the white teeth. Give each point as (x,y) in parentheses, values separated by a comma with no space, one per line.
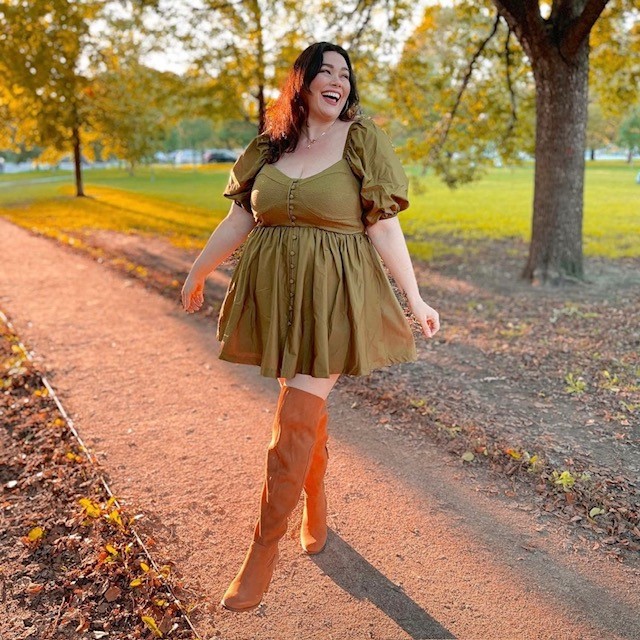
(331,94)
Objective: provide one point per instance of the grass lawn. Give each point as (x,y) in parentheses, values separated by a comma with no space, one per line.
(184,204)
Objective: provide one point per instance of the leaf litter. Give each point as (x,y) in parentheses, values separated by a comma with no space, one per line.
(72,565)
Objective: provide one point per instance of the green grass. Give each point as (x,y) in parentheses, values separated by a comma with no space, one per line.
(185,204)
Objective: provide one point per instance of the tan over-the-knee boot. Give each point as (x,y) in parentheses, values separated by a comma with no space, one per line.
(288,457)
(313,531)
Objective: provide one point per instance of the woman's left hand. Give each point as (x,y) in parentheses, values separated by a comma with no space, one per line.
(427,317)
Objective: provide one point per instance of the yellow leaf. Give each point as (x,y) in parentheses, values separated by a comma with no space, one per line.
(514,454)
(596,511)
(136,582)
(467,456)
(35,534)
(151,623)
(111,549)
(114,516)
(92,509)
(144,566)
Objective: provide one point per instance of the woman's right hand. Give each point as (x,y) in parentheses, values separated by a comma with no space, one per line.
(193,293)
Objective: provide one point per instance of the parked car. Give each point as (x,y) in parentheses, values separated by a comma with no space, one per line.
(219,155)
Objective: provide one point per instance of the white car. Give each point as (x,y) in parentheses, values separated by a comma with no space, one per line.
(187,156)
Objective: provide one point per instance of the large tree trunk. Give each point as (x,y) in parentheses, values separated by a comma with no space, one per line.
(77,161)
(555,252)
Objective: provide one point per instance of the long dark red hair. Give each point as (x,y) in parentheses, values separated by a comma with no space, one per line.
(288,113)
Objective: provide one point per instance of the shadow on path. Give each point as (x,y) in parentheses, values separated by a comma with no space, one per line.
(350,571)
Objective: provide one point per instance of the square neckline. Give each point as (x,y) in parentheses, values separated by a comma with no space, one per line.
(331,166)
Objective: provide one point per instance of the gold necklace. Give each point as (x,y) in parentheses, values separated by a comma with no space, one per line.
(320,136)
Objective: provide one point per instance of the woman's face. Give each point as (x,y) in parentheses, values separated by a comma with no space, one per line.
(330,89)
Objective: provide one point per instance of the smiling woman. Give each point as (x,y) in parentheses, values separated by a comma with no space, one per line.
(317,194)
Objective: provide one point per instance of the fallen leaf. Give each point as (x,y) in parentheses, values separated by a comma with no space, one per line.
(35,534)
(114,516)
(34,589)
(91,508)
(151,623)
(112,593)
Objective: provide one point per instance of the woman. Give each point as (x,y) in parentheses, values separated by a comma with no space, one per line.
(317,194)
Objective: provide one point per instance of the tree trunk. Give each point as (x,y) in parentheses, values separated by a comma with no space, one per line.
(77,161)
(592,154)
(555,252)
(262,108)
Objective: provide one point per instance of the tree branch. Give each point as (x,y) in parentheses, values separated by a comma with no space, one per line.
(512,95)
(465,81)
(524,19)
(581,26)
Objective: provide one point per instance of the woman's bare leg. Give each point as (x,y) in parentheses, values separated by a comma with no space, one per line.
(318,386)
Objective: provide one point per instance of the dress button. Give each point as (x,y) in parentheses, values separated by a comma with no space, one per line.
(291,280)
(293,217)
(293,253)
(295,237)
(289,323)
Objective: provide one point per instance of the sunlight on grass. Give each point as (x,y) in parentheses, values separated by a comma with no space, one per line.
(184,204)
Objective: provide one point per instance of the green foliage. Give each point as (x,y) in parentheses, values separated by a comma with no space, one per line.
(43,89)
(601,128)
(629,135)
(243,50)
(575,384)
(434,70)
(130,128)
(614,74)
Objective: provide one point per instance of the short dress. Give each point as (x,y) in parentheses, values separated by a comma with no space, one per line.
(309,293)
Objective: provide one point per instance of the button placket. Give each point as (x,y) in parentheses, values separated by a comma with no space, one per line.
(292,252)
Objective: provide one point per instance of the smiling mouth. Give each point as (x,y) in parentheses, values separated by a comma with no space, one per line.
(332,97)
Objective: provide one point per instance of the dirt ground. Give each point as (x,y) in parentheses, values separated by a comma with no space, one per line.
(466,549)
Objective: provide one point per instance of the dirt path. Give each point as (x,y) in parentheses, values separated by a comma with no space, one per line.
(416,550)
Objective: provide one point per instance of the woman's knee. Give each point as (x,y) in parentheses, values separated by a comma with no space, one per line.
(318,386)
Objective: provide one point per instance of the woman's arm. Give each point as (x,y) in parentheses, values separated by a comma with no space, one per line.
(387,238)
(224,240)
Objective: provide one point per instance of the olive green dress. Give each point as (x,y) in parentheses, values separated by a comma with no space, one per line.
(309,294)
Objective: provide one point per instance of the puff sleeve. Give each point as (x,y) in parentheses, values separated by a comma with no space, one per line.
(244,172)
(384,184)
